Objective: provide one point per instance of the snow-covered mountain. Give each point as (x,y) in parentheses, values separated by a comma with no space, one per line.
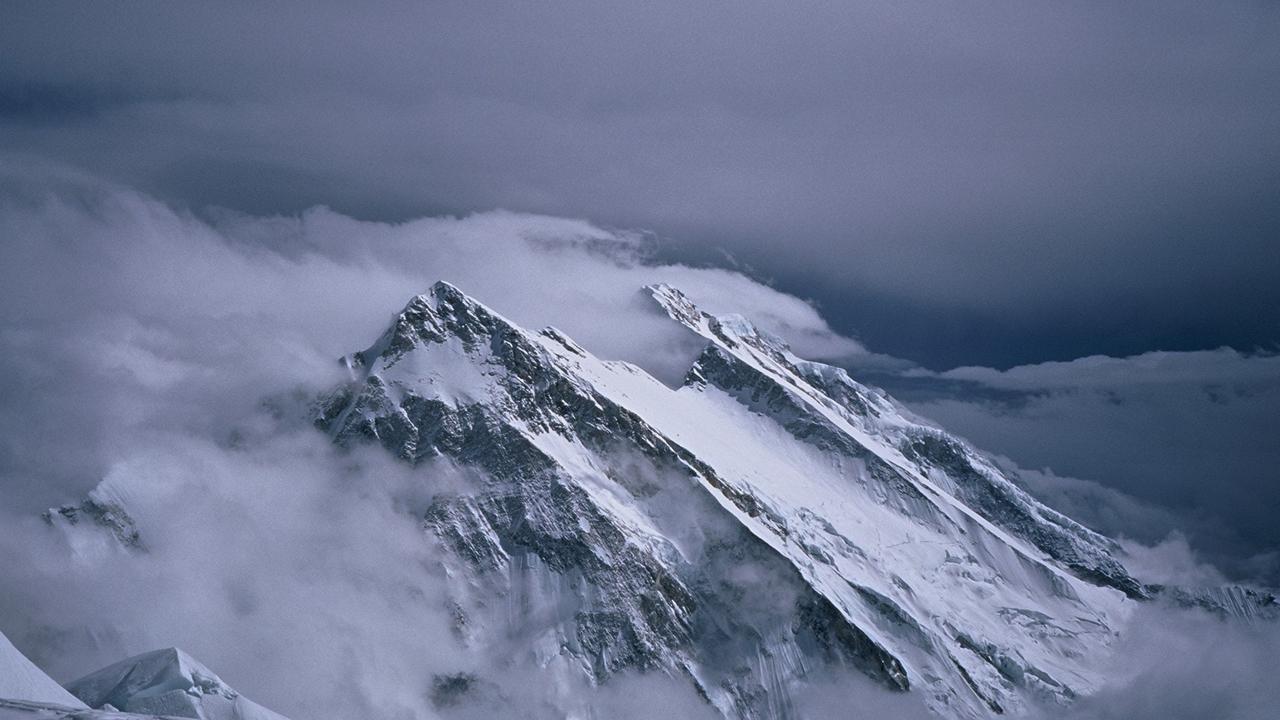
(766,526)
(768,521)
(160,684)
(166,682)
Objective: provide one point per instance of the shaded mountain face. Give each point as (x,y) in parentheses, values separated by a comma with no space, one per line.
(768,522)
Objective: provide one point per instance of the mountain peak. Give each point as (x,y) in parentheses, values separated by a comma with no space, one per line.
(445,287)
(732,329)
(442,312)
(446,303)
(904,553)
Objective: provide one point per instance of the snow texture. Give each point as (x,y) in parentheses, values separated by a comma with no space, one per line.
(760,529)
(20,679)
(769,520)
(166,682)
(28,710)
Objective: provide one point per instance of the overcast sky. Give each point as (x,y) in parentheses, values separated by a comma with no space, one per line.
(968,188)
(959,183)
(1053,228)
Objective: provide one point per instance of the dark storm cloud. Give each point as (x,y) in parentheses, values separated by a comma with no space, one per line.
(996,184)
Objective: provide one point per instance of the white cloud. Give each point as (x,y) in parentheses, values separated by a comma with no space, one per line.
(1224,366)
(1185,665)
(145,344)
(131,313)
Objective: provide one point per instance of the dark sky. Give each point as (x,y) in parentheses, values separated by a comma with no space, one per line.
(1012,186)
(957,184)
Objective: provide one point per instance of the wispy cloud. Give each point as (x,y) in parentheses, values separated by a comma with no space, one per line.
(172,359)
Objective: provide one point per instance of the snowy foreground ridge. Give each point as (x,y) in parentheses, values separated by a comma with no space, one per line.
(768,525)
(159,684)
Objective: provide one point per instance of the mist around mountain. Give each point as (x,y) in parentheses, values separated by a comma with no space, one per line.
(167,425)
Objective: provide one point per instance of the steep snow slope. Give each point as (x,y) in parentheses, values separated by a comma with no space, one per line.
(769,522)
(20,679)
(26,710)
(822,405)
(166,682)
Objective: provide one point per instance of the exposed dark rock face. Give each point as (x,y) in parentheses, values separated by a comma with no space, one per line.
(107,515)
